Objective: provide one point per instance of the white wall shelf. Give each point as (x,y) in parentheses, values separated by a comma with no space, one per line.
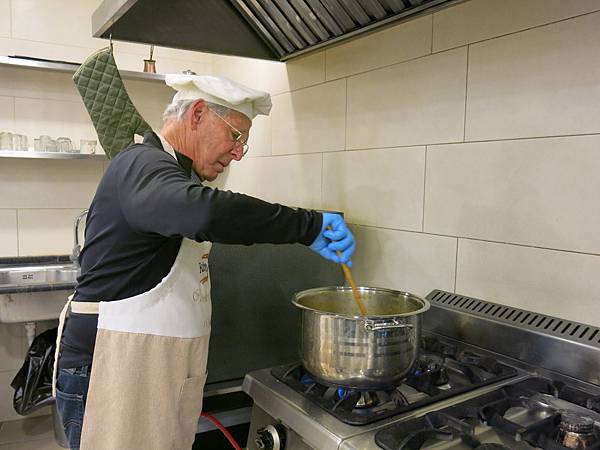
(59,66)
(50,155)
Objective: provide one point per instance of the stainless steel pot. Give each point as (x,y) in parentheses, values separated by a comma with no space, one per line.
(340,347)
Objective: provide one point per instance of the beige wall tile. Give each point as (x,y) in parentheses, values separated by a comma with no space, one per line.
(6,46)
(5,18)
(376,187)
(551,282)
(399,43)
(149,92)
(12,346)
(413,262)
(150,98)
(8,235)
(412,103)
(260,137)
(7,114)
(61,23)
(290,180)
(41,84)
(477,20)
(6,396)
(152,111)
(272,76)
(35,117)
(541,82)
(539,192)
(48,184)
(46,231)
(310,120)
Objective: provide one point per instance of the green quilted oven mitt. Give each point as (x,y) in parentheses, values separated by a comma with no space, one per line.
(113,115)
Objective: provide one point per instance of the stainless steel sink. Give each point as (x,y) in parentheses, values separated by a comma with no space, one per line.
(15,276)
(34,292)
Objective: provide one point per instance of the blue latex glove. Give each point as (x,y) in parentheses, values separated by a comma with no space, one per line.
(328,242)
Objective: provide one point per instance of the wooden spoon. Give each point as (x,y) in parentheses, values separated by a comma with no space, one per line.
(355,291)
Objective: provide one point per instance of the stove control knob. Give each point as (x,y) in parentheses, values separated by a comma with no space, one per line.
(270,438)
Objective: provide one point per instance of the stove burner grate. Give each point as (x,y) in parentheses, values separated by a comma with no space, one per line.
(552,430)
(440,372)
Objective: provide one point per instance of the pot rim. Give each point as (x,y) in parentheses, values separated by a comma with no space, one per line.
(425,303)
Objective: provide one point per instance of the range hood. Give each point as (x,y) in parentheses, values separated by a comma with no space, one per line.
(266,29)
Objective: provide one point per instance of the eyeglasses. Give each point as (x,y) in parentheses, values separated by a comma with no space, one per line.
(238,139)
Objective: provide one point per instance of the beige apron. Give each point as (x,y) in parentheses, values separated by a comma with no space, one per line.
(149,366)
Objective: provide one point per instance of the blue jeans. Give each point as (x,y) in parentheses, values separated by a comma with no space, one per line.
(71,395)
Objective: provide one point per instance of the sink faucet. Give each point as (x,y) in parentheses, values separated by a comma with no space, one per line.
(76,247)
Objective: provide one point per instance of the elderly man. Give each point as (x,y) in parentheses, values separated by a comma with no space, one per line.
(142,303)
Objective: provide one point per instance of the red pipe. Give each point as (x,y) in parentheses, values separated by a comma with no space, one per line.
(223,430)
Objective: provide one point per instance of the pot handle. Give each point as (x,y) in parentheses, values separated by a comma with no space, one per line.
(372,325)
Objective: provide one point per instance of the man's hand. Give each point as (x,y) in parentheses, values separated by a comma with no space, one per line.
(338,238)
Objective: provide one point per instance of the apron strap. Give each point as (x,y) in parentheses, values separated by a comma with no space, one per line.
(59,332)
(85,307)
(76,307)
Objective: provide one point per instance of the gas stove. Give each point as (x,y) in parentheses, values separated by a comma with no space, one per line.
(488,376)
(442,370)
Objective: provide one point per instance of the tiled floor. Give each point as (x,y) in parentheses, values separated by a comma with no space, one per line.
(29,434)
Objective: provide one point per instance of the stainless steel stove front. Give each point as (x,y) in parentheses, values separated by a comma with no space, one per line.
(310,427)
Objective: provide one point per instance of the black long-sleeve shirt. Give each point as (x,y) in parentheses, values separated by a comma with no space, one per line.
(144,205)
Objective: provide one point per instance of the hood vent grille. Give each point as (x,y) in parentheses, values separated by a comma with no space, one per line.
(562,328)
(291,27)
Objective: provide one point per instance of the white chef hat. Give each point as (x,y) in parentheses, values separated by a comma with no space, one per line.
(222,91)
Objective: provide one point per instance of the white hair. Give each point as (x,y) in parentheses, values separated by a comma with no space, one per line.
(177,109)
